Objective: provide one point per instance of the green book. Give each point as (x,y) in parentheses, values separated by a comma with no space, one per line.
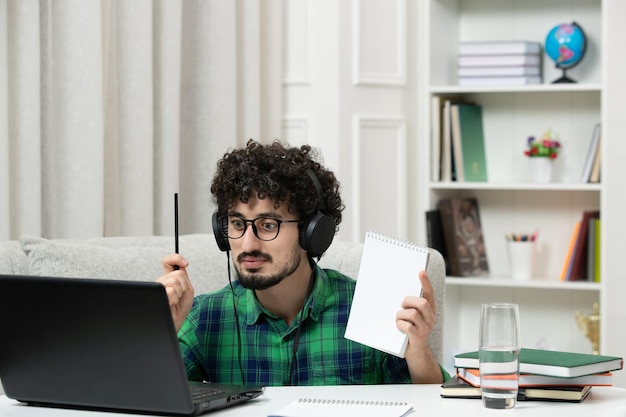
(596,275)
(472,142)
(552,362)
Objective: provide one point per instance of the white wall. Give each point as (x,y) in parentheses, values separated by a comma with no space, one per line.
(349,90)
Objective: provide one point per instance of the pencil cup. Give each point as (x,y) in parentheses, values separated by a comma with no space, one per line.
(521,259)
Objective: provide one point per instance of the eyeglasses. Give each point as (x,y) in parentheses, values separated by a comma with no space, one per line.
(264,228)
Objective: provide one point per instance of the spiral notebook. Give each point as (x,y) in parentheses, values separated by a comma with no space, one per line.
(314,407)
(389,272)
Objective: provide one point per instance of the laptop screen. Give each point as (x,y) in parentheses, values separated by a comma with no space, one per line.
(91,343)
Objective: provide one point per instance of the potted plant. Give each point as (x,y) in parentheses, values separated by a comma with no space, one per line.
(542,152)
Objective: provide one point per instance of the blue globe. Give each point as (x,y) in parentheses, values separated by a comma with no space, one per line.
(565,45)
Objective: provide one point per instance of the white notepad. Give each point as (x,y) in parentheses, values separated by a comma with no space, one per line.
(389,272)
(316,407)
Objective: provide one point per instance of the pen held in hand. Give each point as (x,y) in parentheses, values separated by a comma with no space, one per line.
(176,267)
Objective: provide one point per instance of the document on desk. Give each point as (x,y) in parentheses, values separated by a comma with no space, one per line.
(318,407)
(389,272)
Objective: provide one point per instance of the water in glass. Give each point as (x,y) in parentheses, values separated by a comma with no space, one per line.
(499,376)
(499,354)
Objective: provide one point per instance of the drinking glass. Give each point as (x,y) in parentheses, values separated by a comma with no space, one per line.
(499,354)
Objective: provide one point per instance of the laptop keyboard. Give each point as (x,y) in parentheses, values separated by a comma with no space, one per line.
(202,393)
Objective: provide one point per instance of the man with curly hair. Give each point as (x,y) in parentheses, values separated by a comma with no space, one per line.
(282,321)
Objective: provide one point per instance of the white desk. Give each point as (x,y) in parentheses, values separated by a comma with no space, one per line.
(603,401)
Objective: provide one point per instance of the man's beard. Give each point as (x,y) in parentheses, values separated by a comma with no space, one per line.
(255,281)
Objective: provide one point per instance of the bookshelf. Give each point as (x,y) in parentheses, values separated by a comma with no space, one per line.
(509,201)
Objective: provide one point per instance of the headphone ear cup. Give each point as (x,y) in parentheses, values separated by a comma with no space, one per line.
(220,231)
(317,234)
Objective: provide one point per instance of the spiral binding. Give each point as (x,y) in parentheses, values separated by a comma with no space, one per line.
(352,402)
(396,241)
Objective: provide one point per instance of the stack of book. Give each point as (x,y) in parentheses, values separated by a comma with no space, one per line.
(582,261)
(500,63)
(545,375)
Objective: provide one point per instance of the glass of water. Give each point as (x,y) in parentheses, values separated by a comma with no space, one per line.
(498,355)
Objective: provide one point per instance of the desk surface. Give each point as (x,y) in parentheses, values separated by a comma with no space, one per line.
(425,399)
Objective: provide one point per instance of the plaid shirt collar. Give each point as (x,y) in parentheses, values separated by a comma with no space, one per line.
(313,307)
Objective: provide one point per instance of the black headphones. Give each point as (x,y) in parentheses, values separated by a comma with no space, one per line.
(316,234)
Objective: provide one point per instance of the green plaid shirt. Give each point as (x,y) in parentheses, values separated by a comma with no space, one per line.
(211,351)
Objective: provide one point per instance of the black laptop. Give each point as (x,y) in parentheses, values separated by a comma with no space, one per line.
(99,344)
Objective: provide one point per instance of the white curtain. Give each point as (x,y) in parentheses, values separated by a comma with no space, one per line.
(109,107)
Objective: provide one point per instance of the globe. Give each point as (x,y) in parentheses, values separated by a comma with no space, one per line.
(565,45)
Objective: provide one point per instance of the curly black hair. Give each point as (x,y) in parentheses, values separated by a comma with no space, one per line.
(279,173)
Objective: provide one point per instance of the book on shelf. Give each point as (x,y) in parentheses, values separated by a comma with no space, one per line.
(591,251)
(456,387)
(498,71)
(472,377)
(565,270)
(434,235)
(552,362)
(447,171)
(500,81)
(460,221)
(580,255)
(468,142)
(512,60)
(457,148)
(592,151)
(435,137)
(446,142)
(388,273)
(594,176)
(596,274)
(511,47)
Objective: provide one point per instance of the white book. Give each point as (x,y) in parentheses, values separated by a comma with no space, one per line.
(594,177)
(591,153)
(435,138)
(491,81)
(499,48)
(389,272)
(498,71)
(500,60)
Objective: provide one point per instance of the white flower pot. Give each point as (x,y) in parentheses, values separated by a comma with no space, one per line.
(541,169)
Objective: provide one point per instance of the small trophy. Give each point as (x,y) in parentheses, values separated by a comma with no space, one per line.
(590,325)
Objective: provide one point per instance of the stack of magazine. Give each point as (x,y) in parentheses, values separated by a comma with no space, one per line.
(545,375)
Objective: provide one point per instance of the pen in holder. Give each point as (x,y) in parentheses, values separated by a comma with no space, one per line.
(521,251)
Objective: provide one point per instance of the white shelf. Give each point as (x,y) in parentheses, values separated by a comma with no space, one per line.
(509,202)
(537,283)
(515,186)
(539,88)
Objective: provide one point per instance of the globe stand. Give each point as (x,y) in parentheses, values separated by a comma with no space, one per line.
(566,45)
(564,79)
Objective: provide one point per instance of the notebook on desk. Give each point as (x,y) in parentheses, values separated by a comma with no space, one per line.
(99,344)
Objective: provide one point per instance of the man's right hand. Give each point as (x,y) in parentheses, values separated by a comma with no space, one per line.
(179,290)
